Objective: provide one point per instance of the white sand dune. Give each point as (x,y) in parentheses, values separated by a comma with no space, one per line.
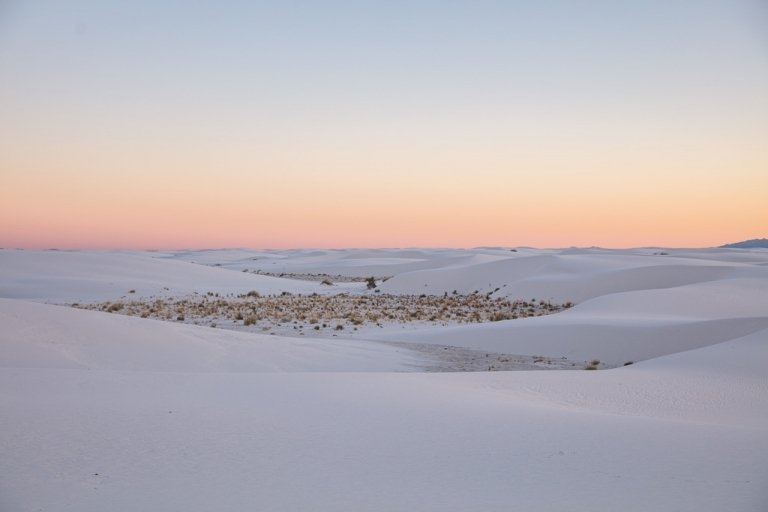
(672,435)
(630,307)
(356,262)
(565,277)
(104,412)
(613,342)
(620,327)
(71,276)
(46,336)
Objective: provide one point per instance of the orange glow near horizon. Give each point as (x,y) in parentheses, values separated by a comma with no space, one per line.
(459,208)
(536,124)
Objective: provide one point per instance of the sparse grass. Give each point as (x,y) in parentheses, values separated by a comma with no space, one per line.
(328,311)
(322,278)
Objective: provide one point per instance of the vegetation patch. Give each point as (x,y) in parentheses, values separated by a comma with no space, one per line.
(332,312)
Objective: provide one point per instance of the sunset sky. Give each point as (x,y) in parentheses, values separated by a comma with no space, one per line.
(158,124)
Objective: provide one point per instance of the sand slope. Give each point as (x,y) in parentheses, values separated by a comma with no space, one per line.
(624,312)
(674,435)
(104,412)
(71,276)
(45,336)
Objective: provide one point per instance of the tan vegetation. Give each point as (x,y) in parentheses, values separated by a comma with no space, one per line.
(331,311)
(319,277)
(593,365)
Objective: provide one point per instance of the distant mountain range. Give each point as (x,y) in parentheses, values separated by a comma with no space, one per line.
(748,244)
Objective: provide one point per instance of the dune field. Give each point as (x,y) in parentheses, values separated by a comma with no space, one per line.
(134,380)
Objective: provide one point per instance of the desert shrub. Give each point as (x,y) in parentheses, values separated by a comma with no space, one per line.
(115,306)
(326,282)
(249,320)
(593,365)
(370,283)
(253,293)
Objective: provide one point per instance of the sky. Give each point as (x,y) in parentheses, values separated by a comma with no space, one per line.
(170,124)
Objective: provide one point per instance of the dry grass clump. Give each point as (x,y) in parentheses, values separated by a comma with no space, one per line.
(323,278)
(112,307)
(593,365)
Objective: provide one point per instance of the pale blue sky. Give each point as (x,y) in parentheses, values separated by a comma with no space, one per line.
(607,101)
(359,59)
